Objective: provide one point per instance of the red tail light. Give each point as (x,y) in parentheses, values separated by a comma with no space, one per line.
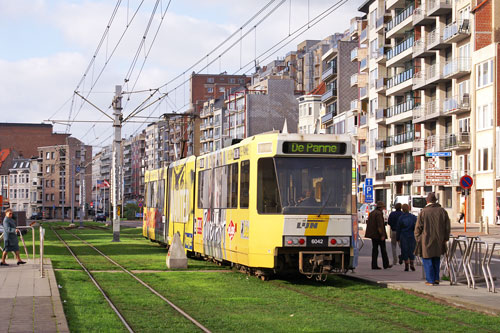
(302,241)
(333,241)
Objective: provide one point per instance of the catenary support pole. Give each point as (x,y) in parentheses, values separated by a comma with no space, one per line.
(116,160)
(82,184)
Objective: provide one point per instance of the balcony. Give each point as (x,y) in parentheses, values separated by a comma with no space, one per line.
(456,31)
(353,29)
(420,17)
(438,7)
(456,68)
(400,83)
(362,149)
(380,85)
(430,110)
(435,41)
(457,104)
(354,105)
(363,64)
(400,23)
(380,144)
(364,35)
(420,49)
(400,169)
(380,176)
(327,118)
(328,73)
(400,139)
(363,93)
(456,141)
(354,54)
(432,144)
(380,116)
(432,75)
(418,147)
(354,80)
(329,95)
(399,112)
(381,55)
(362,120)
(401,52)
(380,23)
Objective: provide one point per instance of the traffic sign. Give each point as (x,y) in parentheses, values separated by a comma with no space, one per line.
(438,154)
(77,169)
(369,181)
(368,193)
(466,182)
(437,177)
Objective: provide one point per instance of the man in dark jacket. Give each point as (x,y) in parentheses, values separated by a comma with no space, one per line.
(432,232)
(393,222)
(375,229)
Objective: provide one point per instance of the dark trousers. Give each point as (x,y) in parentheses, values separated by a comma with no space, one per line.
(431,268)
(375,245)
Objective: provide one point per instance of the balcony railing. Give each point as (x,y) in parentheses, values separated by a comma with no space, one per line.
(354,80)
(400,48)
(400,169)
(380,83)
(363,63)
(380,144)
(407,12)
(363,92)
(456,66)
(380,22)
(434,6)
(400,78)
(354,53)
(455,141)
(362,120)
(380,176)
(400,139)
(401,108)
(456,103)
(354,104)
(362,149)
(363,34)
(456,30)
(329,94)
(380,114)
(328,72)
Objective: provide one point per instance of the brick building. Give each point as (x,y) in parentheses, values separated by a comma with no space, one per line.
(25,138)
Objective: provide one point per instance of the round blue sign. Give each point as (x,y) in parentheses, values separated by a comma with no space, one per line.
(466,182)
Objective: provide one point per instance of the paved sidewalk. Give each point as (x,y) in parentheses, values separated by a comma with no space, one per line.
(478,299)
(30,303)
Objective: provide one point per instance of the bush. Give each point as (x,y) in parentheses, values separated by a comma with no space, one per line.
(130,210)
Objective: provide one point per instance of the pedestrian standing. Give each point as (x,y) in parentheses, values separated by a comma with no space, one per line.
(11,244)
(393,223)
(375,229)
(432,231)
(406,237)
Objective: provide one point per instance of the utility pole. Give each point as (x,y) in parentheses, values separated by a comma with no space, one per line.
(72,180)
(82,183)
(116,160)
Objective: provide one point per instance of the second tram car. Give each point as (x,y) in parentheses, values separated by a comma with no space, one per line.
(271,203)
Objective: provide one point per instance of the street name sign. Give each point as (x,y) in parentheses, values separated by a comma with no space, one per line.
(438,154)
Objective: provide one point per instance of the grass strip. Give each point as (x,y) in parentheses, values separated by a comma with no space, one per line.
(84,306)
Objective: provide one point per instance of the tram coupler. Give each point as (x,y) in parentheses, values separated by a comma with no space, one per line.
(321,263)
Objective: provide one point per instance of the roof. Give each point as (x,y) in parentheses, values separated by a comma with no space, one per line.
(4,153)
(319,90)
(479,6)
(364,7)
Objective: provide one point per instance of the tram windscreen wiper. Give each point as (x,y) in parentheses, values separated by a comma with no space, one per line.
(326,202)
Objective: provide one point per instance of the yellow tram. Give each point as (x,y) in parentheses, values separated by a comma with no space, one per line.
(270,203)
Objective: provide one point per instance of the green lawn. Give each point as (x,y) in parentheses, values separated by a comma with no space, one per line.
(230,301)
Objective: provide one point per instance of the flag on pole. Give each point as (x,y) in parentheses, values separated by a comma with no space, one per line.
(102,183)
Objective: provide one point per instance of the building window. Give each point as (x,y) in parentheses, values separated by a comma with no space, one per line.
(52,155)
(484,160)
(484,74)
(47,169)
(484,117)
(232,80)
(52,197)
(222,89)
(464,125)
(210,90)
(447,197)
(310,110)
(47,156)
(210,80)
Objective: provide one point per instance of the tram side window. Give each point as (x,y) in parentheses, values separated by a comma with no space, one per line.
(244,184)
(154,194)
(161,195)
(268,200)
(148,195)
(204,189)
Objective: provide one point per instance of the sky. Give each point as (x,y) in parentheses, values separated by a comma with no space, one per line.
(51,48)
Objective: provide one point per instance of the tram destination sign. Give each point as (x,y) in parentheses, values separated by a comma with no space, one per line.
(329,148)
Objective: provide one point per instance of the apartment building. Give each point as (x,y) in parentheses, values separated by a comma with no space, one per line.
(19,185)
(211,125)
(310,110)
(65,173)
(427,65)
(263,107)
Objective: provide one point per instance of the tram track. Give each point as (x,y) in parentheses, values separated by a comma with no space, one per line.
(151,289)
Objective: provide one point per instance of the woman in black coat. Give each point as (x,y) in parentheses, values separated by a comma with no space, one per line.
(405,236)
(11,244)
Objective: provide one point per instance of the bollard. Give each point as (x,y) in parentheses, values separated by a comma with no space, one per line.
(487,227)
(480,224)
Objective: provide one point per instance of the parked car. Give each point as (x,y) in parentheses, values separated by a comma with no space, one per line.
(100,217)
(36,216)
(365,209)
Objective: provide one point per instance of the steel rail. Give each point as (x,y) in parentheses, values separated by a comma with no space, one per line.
(175,307)
(115,309)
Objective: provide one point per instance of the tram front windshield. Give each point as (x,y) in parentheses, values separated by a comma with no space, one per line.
(313,185)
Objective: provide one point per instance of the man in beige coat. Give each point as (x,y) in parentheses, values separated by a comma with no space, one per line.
(432,232)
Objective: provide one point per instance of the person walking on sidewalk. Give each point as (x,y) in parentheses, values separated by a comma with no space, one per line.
(11,244)
(432,231)
(375,229)
(462,212)
(393,222)
(405,236)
